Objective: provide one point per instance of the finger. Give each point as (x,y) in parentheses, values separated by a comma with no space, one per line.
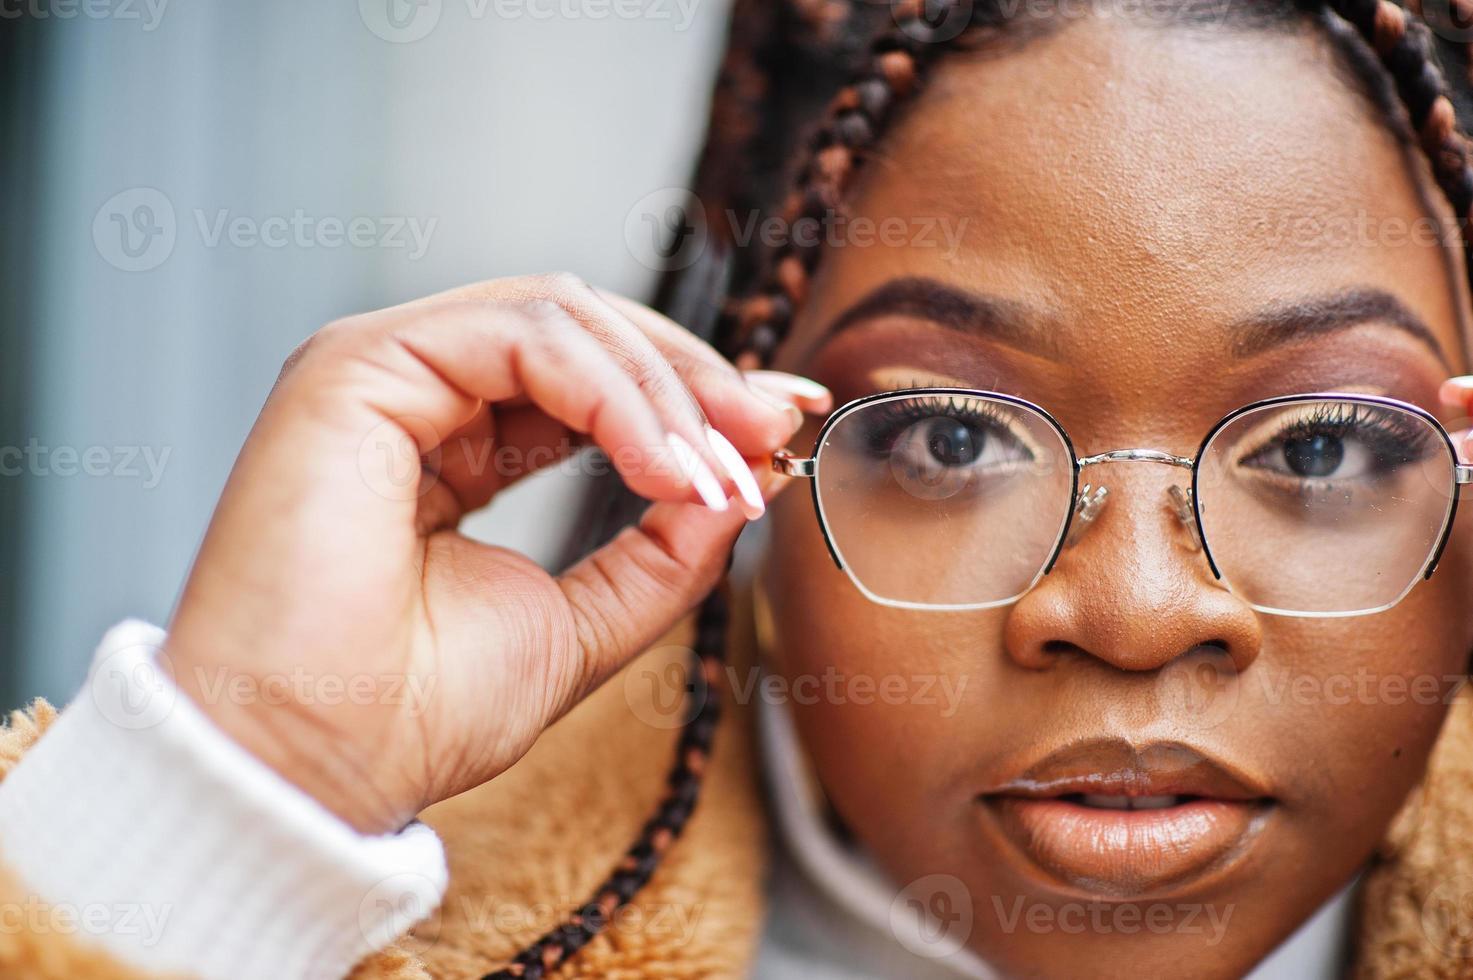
(807,394)
(440,366)
(1457,392)
(629,593)
(500,446)
(754,420)
(676,404)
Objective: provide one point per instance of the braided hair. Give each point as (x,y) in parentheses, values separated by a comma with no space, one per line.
(805,92)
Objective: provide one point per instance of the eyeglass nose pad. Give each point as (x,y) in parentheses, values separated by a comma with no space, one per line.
(1181,505)
(1087,507)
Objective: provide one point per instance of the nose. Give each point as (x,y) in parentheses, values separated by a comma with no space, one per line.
(1134,592)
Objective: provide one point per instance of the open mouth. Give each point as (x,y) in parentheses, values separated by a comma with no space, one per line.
(1109,819)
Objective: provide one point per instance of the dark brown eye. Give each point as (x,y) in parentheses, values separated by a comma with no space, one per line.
(1316,456)
(951,442)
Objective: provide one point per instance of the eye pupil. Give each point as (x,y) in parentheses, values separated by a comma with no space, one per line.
(1317,455)
(952,442)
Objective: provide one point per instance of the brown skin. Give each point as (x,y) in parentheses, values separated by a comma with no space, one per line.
(1129,181)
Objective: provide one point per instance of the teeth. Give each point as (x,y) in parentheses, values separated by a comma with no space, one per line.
(1107,802)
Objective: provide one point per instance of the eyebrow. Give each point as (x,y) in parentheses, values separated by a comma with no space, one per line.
(1289,322)
(1002,320)
(1024,328)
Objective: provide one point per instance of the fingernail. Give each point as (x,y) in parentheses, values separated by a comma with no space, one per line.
(741,475)
(1457,391)
(707,487)
(1463,443)
(793,413)
(792,385)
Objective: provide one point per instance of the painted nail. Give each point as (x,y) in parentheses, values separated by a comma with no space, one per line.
(698,473)
(1457,391)
(791,385)
(1463,443)
(741,475)
(781,403)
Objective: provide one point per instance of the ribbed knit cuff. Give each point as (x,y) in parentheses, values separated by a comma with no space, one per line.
(168,844)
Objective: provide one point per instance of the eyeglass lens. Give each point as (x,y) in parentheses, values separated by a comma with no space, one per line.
(960,500)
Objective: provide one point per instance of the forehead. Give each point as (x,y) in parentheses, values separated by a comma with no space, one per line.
(1156,178)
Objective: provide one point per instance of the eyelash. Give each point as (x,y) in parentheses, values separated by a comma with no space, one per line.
(896,416)
(1392,439)
(1388,435)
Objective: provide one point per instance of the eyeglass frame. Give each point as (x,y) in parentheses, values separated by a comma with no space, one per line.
(806,467)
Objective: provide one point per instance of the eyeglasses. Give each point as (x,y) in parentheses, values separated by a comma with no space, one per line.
(1314,505)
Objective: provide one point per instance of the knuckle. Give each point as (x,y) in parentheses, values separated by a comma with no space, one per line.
(339,337)
(563,283)
(334,343)
(543,313)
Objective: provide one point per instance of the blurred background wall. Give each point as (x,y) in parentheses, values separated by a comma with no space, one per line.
(191,187)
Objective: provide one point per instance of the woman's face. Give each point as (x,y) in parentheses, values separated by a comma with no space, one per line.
(1143,194)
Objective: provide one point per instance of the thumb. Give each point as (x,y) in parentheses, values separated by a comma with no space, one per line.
(630,592)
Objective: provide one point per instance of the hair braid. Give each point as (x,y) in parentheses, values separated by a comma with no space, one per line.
(683,787)
(1404,47)
(893,70)
(853,122)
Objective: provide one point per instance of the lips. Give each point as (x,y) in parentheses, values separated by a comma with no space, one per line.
(1112,819)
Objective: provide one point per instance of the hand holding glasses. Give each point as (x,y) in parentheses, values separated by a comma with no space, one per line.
(1321,504)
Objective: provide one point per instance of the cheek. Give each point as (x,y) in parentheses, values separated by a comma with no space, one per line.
(1368,695)
(889,703)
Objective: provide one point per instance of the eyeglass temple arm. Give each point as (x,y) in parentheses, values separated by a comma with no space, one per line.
(789,465)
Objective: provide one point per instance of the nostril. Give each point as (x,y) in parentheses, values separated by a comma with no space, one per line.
(1060,646)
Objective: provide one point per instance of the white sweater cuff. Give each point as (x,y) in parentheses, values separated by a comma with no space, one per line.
(155,835)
